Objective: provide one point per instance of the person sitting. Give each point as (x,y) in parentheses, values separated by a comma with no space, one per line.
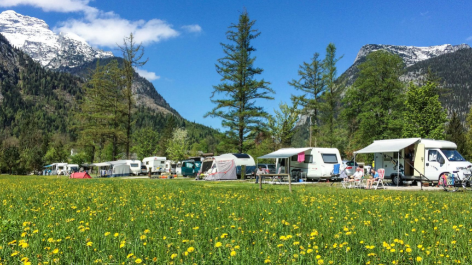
(370,181)
(357,175)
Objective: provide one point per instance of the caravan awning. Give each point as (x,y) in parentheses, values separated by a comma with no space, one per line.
(387,146)
(103,164)
(285,152)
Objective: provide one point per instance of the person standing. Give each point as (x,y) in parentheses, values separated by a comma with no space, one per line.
(259,173)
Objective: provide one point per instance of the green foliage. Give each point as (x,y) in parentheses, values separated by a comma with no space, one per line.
(424,116)
(331,98)
(237,108)
(282,125)
(312,86)
(103,110)
(373,106)
(455,132)
(178,146)
(145,142)
(132,55)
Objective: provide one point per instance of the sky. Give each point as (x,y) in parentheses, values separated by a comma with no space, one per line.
(182,37)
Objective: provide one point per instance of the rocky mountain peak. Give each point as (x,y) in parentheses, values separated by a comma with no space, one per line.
(411,54)
(52,50)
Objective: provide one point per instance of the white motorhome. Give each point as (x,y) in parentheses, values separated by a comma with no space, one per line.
(61,168)
(72,168)
(155,164)
(418,158)
(170,167)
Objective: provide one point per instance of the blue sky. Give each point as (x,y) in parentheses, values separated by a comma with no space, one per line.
(182,38)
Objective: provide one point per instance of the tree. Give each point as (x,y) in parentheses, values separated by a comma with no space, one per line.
(331,96)
(312,85)
(167,134)
(375,101)
(455,133)
(145,142)
(178,145)
(239,87)
(424,116)
(282,126)
(132,55)
(10,154)
(103,110)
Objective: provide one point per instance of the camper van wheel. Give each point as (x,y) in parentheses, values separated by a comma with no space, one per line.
(397,180)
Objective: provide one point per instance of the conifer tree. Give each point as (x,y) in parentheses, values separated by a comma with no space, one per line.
(239,89)
(133,58)
(455,133)
(331,96)
(312,85)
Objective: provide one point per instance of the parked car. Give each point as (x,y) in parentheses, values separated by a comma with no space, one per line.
(268,168)
(350,167)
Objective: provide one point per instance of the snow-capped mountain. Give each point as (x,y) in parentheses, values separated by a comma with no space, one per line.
(411,54)
(33,36)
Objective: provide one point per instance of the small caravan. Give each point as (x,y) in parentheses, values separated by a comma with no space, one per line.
(307,162)
(155,164)
(418,159)
(134,165)
(242,160)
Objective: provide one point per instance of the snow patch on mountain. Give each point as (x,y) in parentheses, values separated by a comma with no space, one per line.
(51,50)
(411,54)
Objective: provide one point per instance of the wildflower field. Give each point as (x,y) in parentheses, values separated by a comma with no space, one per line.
(116,221)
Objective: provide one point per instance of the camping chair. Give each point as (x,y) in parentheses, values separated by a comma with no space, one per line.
(344,180)
(380,179)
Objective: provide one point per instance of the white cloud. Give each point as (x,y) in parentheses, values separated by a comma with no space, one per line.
(52,5)
(192,28)
(150,76)
(108,29)
(105,29)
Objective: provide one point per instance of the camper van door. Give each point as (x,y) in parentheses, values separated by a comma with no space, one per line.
(432,166)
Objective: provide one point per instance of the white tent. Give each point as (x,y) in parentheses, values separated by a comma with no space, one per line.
(222,170)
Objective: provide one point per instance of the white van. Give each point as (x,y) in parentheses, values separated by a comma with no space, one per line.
(155,164)
(417,157)
(61,168)
(318,162)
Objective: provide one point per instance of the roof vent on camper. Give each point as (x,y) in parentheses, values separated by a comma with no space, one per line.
(241,155)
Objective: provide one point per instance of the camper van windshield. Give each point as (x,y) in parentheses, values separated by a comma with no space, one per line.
(452,155)
(330,158)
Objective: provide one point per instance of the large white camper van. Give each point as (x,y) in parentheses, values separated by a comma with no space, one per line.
(155,164)
(418,158)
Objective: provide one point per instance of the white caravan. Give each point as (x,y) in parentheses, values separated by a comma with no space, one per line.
(417,157)
(134,165)
(307,162)
(241,160)
(155,164)
(170,167)
(61,168)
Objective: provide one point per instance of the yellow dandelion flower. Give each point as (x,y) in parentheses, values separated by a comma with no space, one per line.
(419,259)
(138,261)
(55,251)
(218,244)
(233,253)
(89,244)
(107,233)
(191,249)
(173,256)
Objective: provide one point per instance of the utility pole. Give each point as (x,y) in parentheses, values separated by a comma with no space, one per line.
(310,131)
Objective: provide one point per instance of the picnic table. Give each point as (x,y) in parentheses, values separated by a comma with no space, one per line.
(276,177)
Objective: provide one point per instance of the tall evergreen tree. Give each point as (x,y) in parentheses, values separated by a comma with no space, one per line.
(103,110)
(312,85)
(331,96)
(455,133)
(133,58)
(424,116)
(240,90)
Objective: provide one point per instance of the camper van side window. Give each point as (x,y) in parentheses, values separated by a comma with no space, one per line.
(432,155)
(308,159)
(295,158)
(329,158)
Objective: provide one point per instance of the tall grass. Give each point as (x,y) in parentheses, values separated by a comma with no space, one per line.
(62,221)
